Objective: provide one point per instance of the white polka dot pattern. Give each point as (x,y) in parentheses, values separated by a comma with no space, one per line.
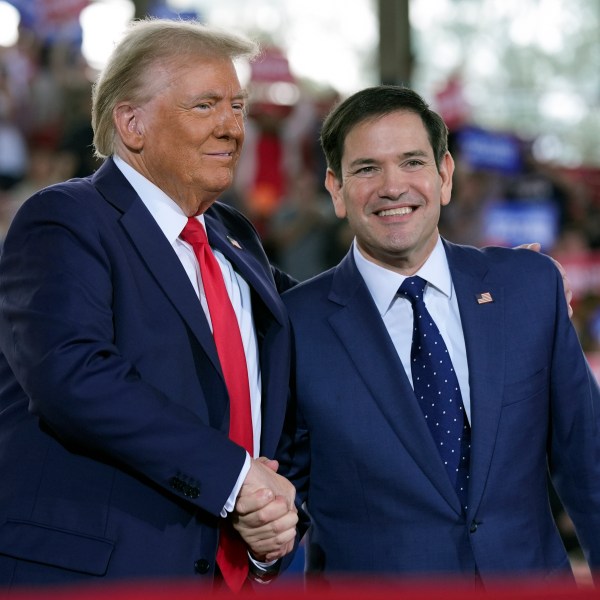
(437,390)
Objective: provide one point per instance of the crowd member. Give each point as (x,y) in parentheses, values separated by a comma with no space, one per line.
(447,473)
(127,429)
(300,230)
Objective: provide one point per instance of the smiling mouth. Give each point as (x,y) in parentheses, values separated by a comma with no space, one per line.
(392,212)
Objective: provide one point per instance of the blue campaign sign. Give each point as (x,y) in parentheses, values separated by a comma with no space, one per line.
(160,10)
(495,151)
(510,223)
(52,20)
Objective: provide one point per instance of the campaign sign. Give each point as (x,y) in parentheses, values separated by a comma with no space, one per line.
(510,223)
(489,150)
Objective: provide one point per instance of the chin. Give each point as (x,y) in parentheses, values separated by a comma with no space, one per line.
(216,186)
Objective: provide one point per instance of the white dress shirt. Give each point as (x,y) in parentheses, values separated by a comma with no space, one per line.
(397,313)
(171,219)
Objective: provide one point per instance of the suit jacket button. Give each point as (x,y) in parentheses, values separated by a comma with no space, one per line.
(474,525)
(202,566)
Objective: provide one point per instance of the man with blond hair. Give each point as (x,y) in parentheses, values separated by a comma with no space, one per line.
(127,426)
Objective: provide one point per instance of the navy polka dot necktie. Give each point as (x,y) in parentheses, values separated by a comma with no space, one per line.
(437,389)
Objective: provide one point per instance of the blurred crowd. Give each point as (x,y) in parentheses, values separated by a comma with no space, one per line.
(502,193)
(534,201)
(45,131)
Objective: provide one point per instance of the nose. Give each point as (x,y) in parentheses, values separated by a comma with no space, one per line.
(393,184)
(229,124)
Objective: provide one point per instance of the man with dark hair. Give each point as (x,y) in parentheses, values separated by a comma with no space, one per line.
(434,386)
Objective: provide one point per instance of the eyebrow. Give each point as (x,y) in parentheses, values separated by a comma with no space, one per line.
(214,95)
(241,95)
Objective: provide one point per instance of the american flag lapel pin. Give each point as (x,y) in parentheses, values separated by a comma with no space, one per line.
(484,298)
(234,242)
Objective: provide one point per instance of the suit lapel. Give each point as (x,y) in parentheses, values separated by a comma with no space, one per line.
(361,330)
(484,328)
(247,265)
(269,319)
(156,251)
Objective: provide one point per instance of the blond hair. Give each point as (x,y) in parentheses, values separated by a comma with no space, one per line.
(146,43)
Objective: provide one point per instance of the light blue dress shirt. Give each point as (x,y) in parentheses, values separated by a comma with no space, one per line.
(397,314)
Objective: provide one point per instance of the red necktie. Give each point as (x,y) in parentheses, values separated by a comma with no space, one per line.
(231,554)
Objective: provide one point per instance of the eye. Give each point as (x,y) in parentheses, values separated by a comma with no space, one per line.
(239,107)
(413,164)
(365,171)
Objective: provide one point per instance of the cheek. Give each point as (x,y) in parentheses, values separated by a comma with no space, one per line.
(357,194)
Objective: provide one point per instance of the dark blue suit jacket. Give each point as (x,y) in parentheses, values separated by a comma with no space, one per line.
(114,454)
(359,451)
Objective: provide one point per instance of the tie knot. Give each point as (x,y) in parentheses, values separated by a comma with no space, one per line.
(193,232)
(412,288)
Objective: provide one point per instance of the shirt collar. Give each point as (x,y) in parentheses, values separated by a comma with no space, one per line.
(166,212)
(383,283)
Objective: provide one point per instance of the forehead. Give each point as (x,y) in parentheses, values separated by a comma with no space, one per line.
(194,74)
(400,123)
(396,132)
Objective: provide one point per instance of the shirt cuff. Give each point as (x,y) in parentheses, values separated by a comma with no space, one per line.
(230,504)
(263,572)
(262,565)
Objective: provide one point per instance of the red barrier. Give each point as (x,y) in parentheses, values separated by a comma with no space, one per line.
(343,590)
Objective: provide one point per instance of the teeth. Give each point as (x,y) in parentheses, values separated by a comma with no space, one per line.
(396,211)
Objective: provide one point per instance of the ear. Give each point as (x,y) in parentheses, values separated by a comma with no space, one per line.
(334,187)
(129,125)
(446,173)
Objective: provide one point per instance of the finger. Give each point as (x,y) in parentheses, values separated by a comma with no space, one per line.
(254,531)
(277,555)
(290,497)
(535,246)
(269,530)
(253,502)
(280,553)
(273,555)
(266,517)
(281,544)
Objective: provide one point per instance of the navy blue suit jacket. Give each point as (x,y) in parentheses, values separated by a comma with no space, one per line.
(363,460)
(114,452)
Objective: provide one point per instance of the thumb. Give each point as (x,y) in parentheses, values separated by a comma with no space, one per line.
(269,462)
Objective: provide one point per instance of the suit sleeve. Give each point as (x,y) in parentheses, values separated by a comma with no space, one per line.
(293,454)
(57,332)
(574,451)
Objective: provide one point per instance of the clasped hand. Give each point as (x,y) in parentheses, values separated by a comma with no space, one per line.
(265,514)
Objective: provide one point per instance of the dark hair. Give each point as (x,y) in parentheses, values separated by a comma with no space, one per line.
(372,103)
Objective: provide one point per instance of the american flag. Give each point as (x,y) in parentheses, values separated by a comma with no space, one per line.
(234,243)
(484,298)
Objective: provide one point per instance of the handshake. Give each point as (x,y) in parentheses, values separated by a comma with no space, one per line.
(265,515)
